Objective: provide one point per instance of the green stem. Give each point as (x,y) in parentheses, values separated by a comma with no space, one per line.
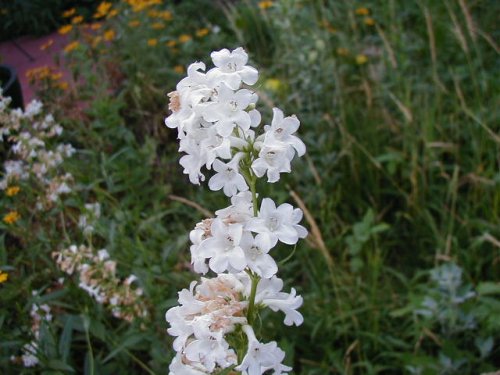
(253,291)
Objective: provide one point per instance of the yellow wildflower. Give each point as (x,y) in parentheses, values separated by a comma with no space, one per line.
(265,4)
(171,43)
(65,29)
(362,11)
(56,76)
(165,15)
(3,277)
(11,217)
(72,46)
(369,21)
(95,26)
(63,85)
(102,10)
(112,13)
(109,35)
(68,13)
(38,73)
(44,46)
(341,51)
(202,32)
(157,26)
(152,42)
(77,20)
(134,23)
(13,190)
(361,59)
(179,69)
(184,38)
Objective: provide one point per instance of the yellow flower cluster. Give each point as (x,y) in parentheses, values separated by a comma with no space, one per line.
(69,13)
(11,217)
(45,73)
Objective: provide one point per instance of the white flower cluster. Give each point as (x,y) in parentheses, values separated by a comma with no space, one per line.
(218,126)
(216,117)
(29,133)
(97,276)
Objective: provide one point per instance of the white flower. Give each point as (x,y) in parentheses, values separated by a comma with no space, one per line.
(261,357)
(258,259)
(280,223)
(231,68)
(227,178)
(228,110)
(223,248)
(282,129)
(273,159)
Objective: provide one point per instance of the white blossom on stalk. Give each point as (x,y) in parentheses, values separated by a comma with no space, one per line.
(227,178)
(281,223)
(261,357)
(231,68)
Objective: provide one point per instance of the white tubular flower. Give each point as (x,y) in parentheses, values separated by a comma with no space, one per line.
(228,110)
(282,129)
(223,248)
(269,294)
(273,159)
(231,68)
(240,211)
(280,223)
(261,357)
(258,259)
(178,367)
(227,178)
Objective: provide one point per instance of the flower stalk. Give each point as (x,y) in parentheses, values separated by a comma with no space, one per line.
(220,128)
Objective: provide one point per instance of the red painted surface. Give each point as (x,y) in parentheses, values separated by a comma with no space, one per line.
(33,57)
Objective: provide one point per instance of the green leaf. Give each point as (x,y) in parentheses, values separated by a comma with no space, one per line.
(57,364)
(130,341)
(65,339)
(488,287)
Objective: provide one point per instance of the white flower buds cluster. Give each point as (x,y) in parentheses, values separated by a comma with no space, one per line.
(29,133)
(219,127)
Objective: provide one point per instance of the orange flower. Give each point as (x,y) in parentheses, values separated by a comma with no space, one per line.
(46,45)
(77,20)
(171,43)
(157,26)
(72,46)
(102,10)
(265,5)
(152,42)
(63,30)
(134,23)
(68,13)
(11,191)
(179,69)
(369,21)
(362,11)
(11,217)
(109,35)
(112,13)
(184,38)
(39,73)
(63,85)
(202,32)
(95,26)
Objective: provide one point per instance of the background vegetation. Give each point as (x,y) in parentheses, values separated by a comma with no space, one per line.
(400,186)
